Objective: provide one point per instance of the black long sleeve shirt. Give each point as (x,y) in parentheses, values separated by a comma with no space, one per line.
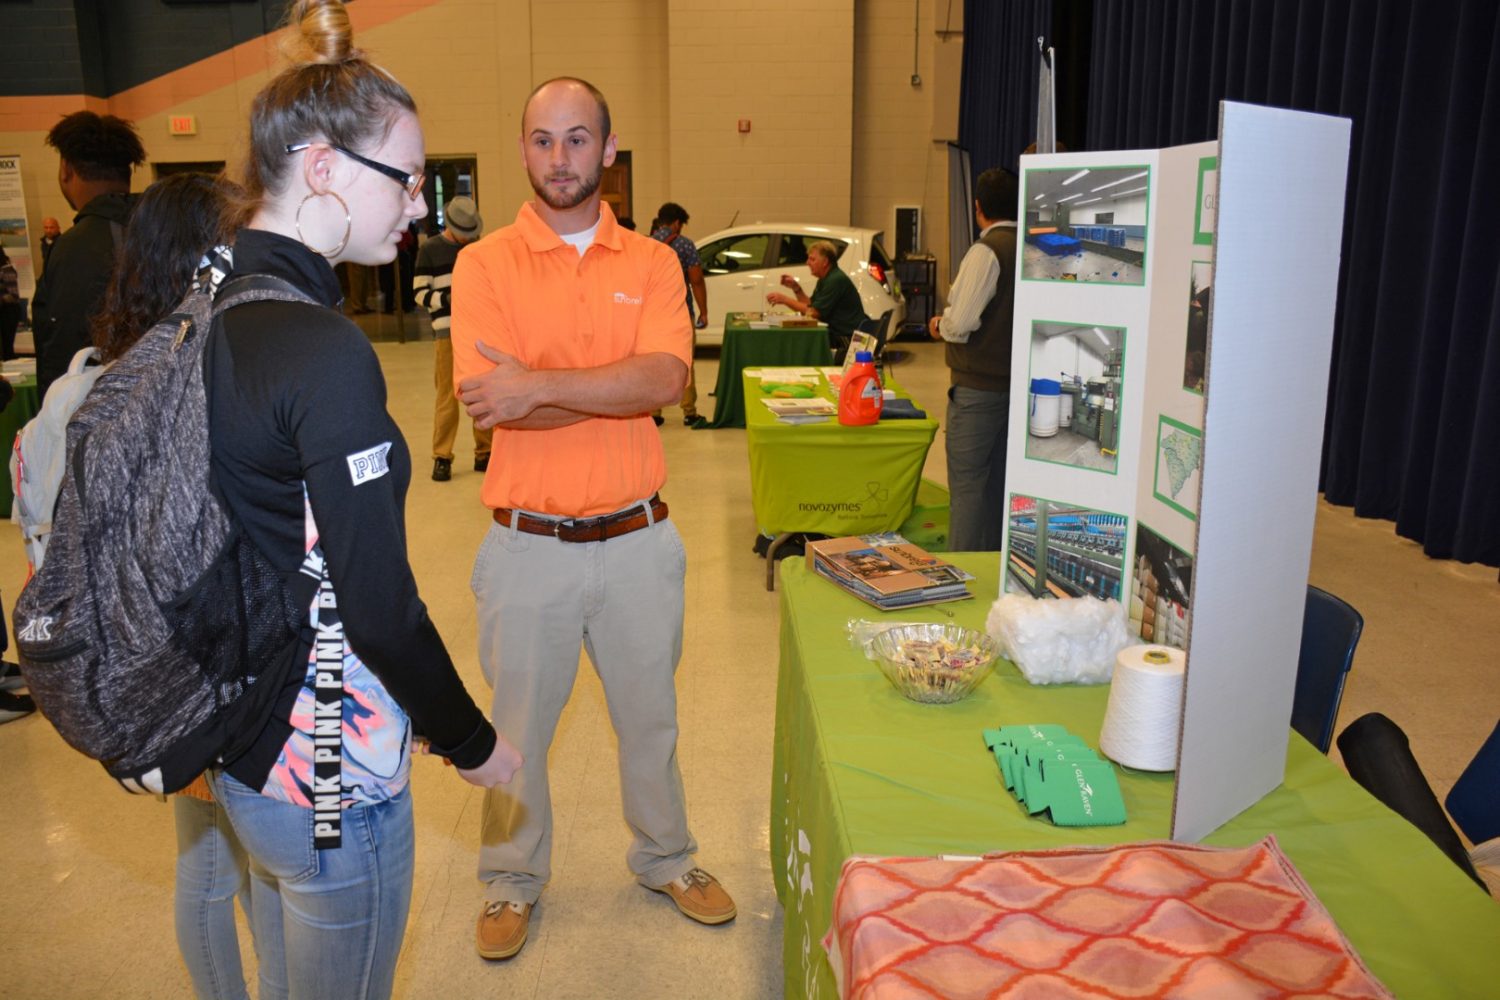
(297,396)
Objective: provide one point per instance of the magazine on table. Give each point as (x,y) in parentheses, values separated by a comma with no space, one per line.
(887,571)
(801,407)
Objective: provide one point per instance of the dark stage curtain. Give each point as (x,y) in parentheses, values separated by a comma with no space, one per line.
(998,89)
(1413,425)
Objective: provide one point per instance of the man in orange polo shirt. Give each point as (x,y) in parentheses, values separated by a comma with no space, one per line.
(568,330)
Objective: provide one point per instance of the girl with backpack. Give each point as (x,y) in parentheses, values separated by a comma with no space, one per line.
(311,463)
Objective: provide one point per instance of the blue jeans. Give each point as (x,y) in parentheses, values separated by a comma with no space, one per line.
(977,427)
(336,916)
(211,872)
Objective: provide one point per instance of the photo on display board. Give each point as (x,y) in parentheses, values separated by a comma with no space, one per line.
(1064,550)
(1159,590)
(1179,465)
(1195,357)
(1077,382)
(1086,224)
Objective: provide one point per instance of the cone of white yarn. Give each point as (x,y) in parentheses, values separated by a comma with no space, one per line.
(1145,708)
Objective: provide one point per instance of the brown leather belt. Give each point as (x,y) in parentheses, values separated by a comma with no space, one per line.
(588,529)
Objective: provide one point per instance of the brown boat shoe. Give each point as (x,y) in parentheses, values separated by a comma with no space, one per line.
(502,929)
(700,897)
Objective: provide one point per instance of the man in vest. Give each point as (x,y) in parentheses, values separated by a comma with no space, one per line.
(976,326)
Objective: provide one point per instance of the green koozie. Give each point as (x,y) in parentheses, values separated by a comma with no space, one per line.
(1027,765)
(1009,734)
(1077,793)
(1010,755)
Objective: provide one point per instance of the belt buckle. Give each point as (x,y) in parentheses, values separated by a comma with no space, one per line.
(557,530)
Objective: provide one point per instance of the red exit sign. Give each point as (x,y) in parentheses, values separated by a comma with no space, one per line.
(182,124)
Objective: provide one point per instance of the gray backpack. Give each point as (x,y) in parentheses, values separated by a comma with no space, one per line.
(156,635)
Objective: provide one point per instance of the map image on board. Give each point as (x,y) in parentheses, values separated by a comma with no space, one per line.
(1179,465)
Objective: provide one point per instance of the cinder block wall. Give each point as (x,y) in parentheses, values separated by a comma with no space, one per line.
(786,67)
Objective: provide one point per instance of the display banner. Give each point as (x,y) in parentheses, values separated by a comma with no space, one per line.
(13,234)
(1131,367)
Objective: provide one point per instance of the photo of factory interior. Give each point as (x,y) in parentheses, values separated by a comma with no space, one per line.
(1200,294)
(1086,225)
(1064,550)
(1073,412)
(1159,590)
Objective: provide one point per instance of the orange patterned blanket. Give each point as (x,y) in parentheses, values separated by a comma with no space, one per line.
(1153,919)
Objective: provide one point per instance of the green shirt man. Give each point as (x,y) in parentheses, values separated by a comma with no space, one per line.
(834,300)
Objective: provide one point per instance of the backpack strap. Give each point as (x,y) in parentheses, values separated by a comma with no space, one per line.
(257,288)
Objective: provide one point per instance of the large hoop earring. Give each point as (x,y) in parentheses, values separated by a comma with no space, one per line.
(348,224)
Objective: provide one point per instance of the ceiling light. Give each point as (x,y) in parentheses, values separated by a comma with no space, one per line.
(1040,196)
(1070,197)
(1070,180)
(1089,202)
(1121,194)
(1122,180)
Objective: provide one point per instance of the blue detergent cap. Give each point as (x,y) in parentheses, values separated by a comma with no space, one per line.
(1046,387)
(862,356)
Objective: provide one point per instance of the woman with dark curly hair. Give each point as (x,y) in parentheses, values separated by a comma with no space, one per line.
(175,222)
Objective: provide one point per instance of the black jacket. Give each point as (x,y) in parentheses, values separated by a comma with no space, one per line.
(71,288)
(296,396)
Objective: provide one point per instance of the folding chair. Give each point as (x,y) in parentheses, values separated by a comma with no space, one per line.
(1330,631)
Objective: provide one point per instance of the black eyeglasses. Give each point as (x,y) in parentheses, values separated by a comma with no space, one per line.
(411,182)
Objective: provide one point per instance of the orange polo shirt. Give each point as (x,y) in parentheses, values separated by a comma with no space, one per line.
(526,292)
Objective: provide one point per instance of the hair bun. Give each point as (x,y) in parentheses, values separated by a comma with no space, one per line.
(321,33)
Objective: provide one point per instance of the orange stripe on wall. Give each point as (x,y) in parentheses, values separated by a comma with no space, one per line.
(38,114)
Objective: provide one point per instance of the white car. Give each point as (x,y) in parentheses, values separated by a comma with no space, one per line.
(741,265)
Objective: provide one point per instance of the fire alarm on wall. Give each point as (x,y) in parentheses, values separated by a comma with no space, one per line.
(744,124)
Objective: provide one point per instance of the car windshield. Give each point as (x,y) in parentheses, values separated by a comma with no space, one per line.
(734,253)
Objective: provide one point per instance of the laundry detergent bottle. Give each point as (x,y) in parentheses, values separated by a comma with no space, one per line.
(860,398)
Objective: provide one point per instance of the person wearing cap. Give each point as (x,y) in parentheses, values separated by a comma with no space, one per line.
(432,284)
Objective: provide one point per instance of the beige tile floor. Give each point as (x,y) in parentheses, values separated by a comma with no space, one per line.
(85,899)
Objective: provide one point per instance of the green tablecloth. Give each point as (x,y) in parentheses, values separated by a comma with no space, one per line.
(21,409)
(832,479)
(860,770)
(793,347)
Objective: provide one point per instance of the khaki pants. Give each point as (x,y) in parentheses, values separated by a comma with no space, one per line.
(621,600)
(689,394)
(445,416)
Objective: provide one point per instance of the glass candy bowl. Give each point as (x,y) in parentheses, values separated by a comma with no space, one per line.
(934,664)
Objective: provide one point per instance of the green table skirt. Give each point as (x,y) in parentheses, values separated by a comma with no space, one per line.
(793,347)
(861,770)
(832,479)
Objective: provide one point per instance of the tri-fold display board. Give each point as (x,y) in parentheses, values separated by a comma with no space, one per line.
(1173,326)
